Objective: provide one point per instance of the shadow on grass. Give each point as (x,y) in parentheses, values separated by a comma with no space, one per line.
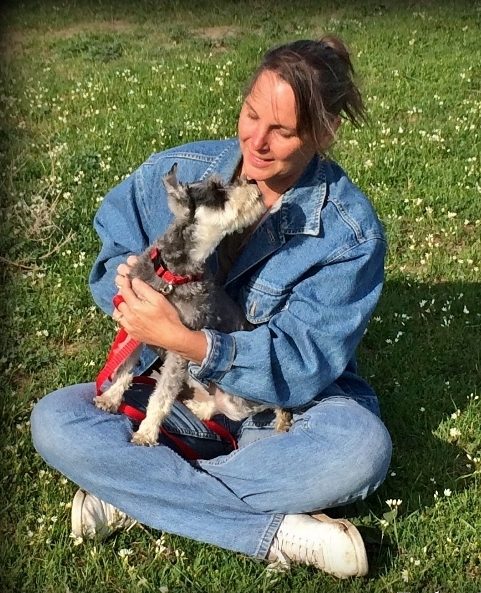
(422,376)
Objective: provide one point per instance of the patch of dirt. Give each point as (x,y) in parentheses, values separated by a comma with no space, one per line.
(12,40)
(216,33)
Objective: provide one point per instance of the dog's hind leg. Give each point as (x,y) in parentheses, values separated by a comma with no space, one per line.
(111,399)
(283,420)
(169,385)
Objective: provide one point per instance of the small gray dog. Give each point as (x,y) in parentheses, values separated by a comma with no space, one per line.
(204,213)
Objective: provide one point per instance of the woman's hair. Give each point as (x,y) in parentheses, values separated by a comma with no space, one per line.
(321,76)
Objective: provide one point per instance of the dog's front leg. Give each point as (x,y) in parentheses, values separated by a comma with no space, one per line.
(111,399)
(169,385)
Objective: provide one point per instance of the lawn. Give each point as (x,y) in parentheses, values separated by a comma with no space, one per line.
(88,91)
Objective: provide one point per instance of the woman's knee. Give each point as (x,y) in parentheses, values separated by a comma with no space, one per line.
(371,454)
(359,444)
(51,419)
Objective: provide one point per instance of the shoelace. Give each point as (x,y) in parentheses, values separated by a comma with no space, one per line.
(295,546)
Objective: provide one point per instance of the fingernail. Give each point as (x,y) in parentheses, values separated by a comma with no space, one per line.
(118,298)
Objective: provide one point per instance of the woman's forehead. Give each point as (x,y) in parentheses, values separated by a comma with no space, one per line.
(274,97)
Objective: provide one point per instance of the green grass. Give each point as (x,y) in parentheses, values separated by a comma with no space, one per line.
(89,90)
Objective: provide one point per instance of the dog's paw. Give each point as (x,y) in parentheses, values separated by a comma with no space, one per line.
(283,420)
(145,438)
(106,404)
(203,410)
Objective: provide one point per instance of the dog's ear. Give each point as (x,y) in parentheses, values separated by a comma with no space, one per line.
(170,180)
(177,197)
(212,193)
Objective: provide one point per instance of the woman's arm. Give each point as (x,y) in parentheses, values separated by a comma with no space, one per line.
(305,347)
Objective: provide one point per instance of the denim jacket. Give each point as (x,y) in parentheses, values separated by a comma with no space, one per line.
(308,279)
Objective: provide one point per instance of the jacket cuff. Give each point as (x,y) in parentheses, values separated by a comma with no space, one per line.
(218,360)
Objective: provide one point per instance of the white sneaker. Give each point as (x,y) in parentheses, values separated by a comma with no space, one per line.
(93,518)
(332,545)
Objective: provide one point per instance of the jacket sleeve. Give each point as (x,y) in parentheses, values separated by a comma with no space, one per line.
(119,224)
(124,224)
(291,359)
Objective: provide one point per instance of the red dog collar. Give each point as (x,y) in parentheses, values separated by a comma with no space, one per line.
(166,275)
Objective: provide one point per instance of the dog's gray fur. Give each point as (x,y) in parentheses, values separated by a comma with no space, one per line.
(204,212)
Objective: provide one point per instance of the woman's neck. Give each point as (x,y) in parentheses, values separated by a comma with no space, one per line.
(269,195)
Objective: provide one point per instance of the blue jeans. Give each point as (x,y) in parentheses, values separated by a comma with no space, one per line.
(336,452)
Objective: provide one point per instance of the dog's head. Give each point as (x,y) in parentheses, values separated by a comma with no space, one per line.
(213,207)
(185,198)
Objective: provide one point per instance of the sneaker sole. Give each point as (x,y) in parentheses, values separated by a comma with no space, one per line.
(358,544)
(76,514)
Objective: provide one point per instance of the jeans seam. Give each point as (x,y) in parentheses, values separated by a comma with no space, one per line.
(268,535)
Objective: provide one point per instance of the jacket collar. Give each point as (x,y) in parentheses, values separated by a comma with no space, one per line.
(300,212)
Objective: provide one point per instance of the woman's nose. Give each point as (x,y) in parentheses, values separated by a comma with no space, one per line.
(259,139)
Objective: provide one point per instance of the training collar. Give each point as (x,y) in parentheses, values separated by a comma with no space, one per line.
(169,277)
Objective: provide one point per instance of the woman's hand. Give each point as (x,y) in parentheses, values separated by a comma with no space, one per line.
(149,317)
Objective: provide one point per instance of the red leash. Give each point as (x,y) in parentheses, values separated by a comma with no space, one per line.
(122,347)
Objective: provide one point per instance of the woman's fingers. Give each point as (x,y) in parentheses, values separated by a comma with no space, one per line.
(146,293)
(123,271)
(132,260)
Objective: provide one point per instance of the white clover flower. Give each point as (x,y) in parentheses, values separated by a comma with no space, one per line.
(447,492)
(77,541)
(125,552)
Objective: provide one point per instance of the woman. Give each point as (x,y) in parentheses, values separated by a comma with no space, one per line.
(308,277)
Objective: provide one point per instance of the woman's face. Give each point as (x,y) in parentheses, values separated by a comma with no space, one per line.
(273,152)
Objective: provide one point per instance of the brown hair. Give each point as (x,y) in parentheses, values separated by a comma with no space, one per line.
(321,76)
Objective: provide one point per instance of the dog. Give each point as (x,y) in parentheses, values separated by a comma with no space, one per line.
(204,213)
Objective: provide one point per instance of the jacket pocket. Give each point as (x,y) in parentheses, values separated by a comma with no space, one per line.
(261,302)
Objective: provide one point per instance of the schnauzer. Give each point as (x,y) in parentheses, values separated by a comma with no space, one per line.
(204,213)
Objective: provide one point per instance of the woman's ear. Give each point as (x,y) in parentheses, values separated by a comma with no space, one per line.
(330,133)
(336,123)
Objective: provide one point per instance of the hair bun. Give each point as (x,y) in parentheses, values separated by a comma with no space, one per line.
(338,46)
